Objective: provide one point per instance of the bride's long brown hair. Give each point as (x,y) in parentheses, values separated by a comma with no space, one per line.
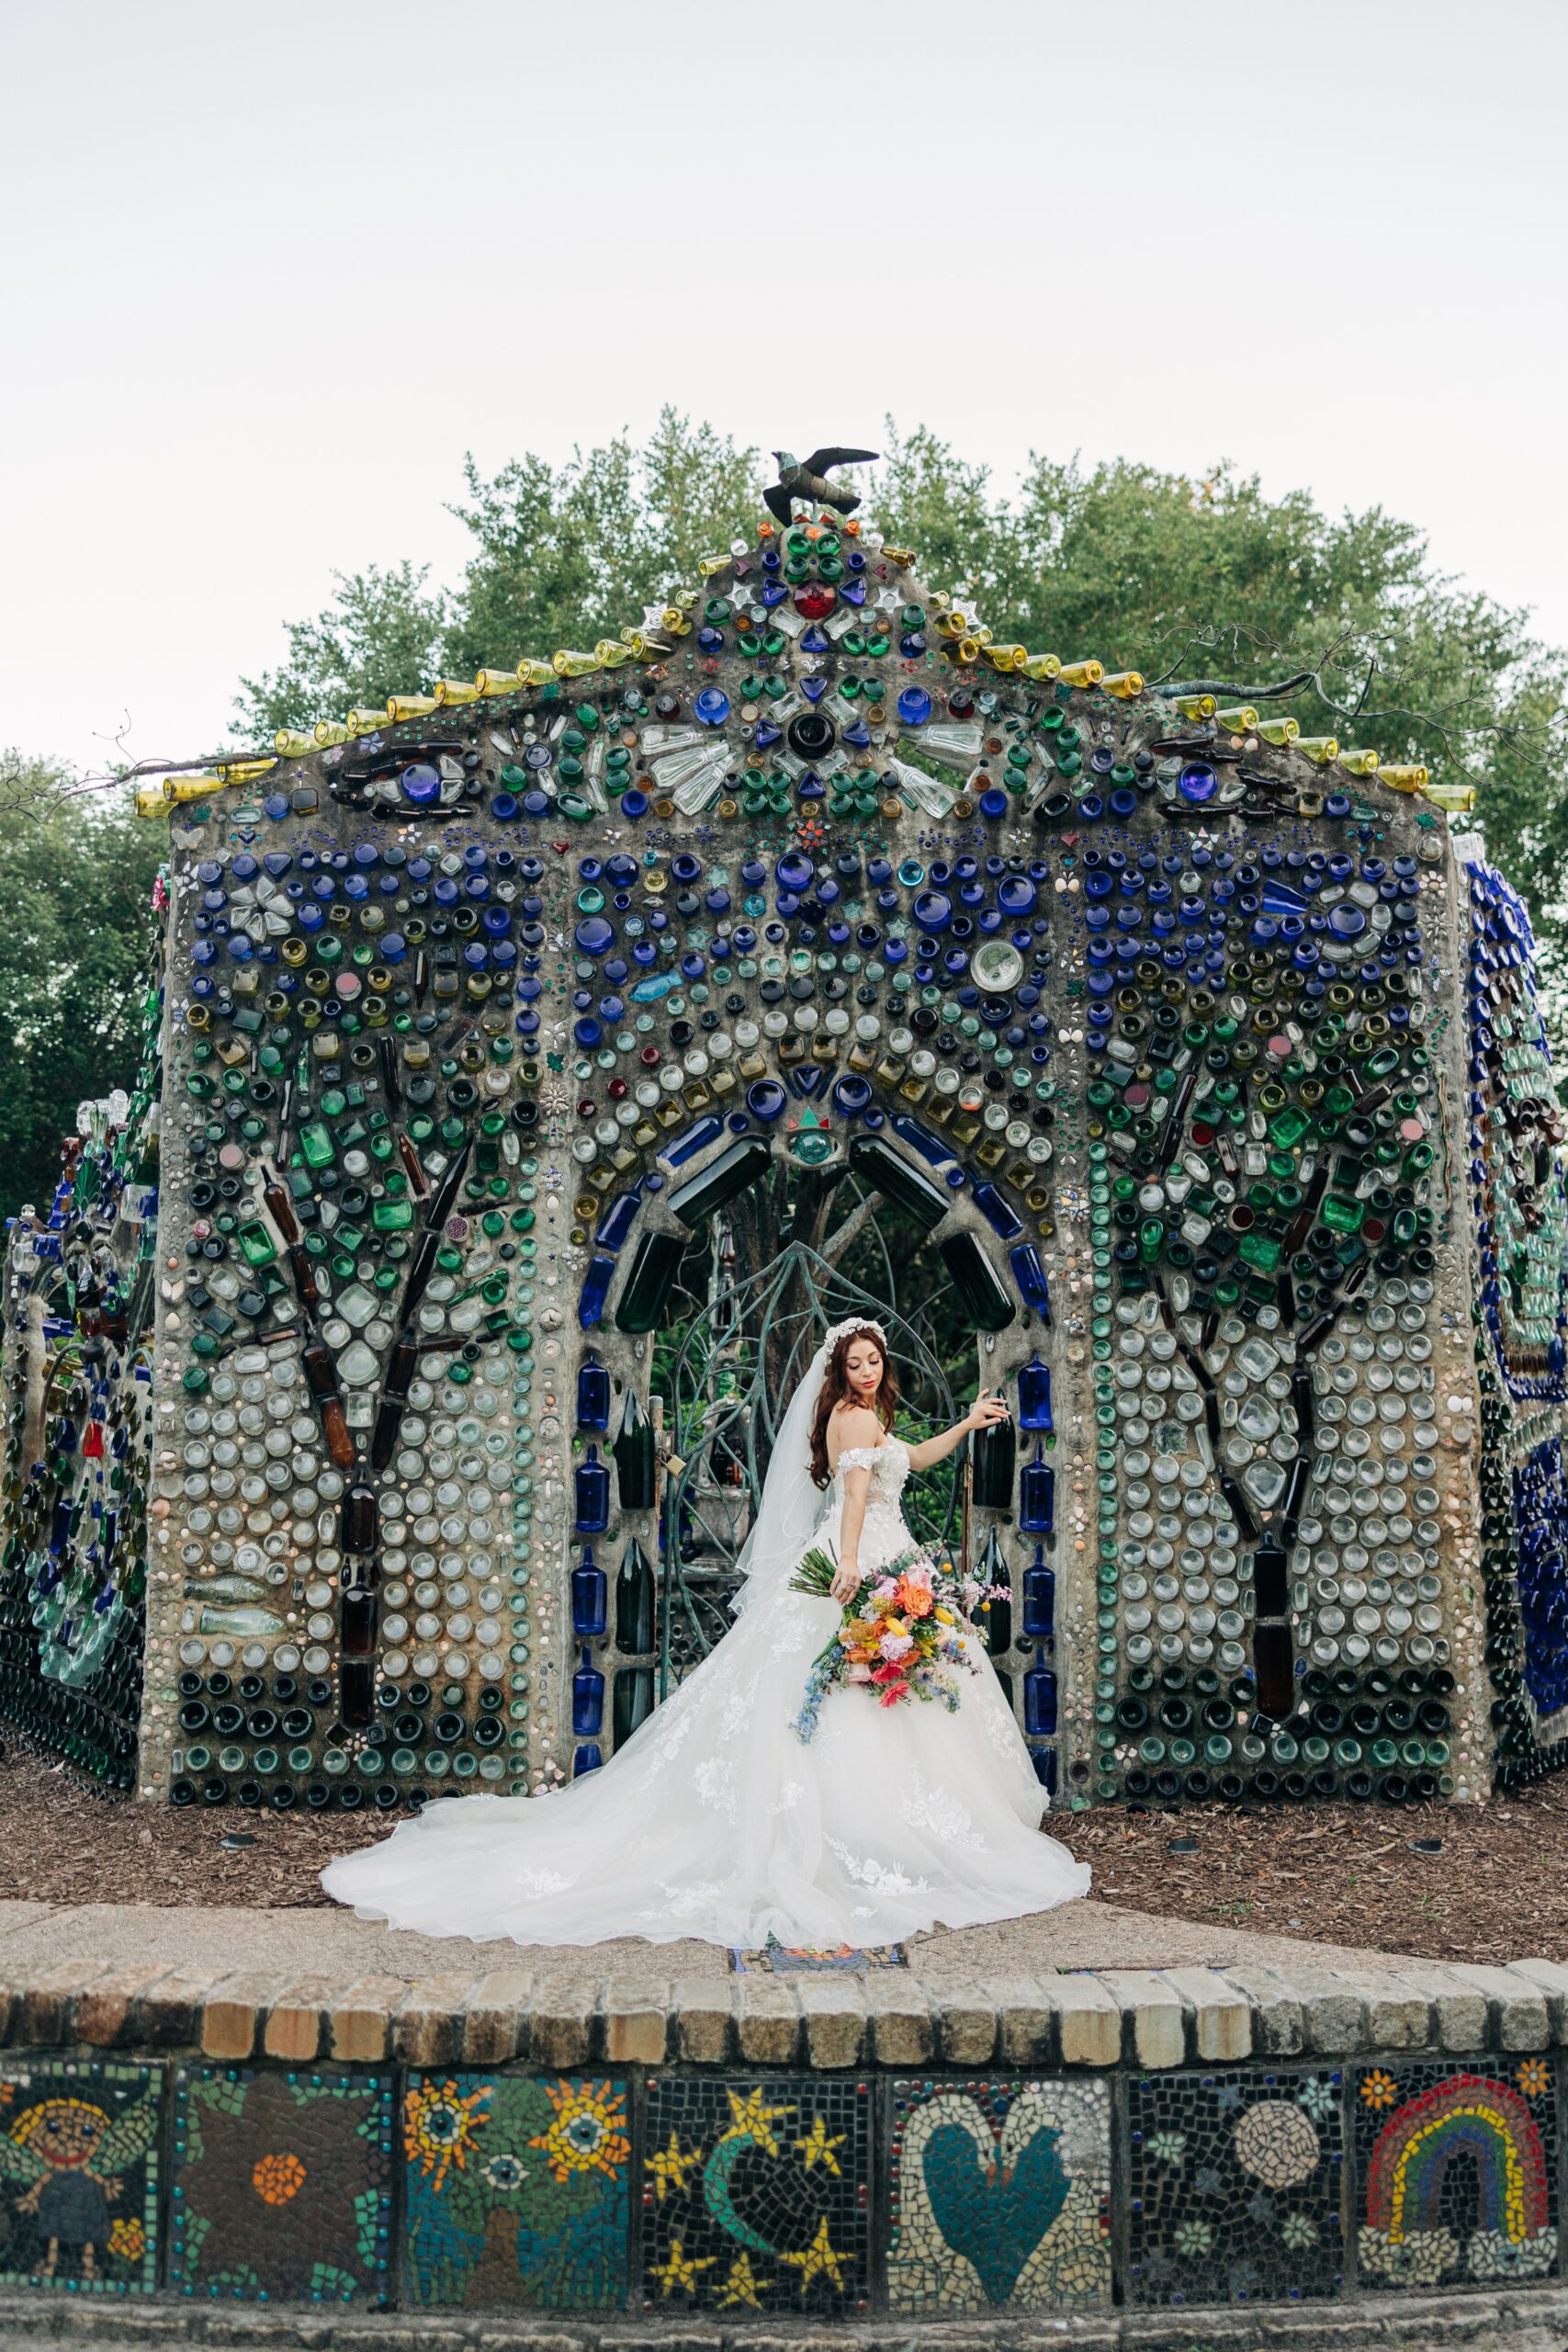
(836,1388)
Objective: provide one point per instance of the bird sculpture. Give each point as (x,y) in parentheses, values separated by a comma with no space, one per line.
(808,480)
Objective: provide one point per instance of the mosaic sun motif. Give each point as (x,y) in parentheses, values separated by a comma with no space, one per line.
(79,2176)
(1000,2197)
(755,2196)
(1233,2186)
(1457,2173)
(282,2186)
(515,2191)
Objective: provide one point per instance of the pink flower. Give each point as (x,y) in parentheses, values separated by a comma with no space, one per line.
(886,1588)
(919,1572)
(896,1644)
(857,1674)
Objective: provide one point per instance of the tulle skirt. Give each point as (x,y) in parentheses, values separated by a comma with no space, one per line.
(716,1821)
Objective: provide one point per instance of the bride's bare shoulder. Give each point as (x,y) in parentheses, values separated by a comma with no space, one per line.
(851,1429)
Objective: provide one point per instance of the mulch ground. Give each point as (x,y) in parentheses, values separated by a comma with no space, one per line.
(1446,1882)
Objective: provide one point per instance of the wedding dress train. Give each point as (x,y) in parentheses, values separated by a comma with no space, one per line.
(715,1821)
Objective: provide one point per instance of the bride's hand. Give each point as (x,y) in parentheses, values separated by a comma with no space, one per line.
(845,1585)
(985,1411)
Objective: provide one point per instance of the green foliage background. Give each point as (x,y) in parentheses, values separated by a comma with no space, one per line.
(1184,578)
(76,890)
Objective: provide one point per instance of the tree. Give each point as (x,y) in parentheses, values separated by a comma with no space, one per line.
(74,951)
(382,634)
(561,556)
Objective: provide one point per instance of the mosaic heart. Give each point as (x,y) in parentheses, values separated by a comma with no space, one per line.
(991,2212)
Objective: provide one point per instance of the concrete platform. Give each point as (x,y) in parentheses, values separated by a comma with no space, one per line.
(1086,1935)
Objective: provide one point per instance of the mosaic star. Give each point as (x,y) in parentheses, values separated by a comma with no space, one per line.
(740,2287)
(750,2119)
(818,2258)
(681,2269)
(670,2167)
(817,2148)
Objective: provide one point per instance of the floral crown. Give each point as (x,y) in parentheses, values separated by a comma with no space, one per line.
(838,1331)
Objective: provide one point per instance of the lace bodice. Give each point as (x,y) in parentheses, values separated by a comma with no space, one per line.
(889,1465)
(884,1534)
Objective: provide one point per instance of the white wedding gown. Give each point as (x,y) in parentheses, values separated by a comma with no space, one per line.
(715,1821)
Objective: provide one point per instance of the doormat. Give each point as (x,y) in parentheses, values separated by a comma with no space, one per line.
(775,1959)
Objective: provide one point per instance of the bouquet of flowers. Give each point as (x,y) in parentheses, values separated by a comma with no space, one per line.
(902,1636)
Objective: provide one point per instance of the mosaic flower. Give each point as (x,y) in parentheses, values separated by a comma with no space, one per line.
(588,2133)
(439,2126)
(505,2172)
(1298,2230)
(1379,2089)
(1534,2077)
(1167,2147)
(1319,2096)
(128,2239)
(330,2129)
(1193,2237)
(277,2178)
(1419,2259)
(1491,2253)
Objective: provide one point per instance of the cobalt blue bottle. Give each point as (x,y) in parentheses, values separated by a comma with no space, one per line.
(592,1495)
(1035,1395)
(1040,1699)
(1039,1599)
(592,1394)
(587,1700)
(1036,1497)
(589,1598)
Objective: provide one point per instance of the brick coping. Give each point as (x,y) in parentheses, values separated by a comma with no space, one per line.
(545,2017)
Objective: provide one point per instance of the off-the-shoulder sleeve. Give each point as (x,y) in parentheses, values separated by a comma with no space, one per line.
(858,1457)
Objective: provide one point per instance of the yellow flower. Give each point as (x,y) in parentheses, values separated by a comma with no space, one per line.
(439,2127)
(944,1616)
(1534,2077)
(588,2133)
(1380,2089)
(128,2239)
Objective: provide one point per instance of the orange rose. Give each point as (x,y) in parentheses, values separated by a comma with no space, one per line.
(914,1599)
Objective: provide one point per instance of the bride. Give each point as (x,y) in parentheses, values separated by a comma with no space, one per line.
(715,1820)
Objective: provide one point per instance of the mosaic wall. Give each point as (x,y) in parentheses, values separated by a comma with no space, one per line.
(79,2203)
(1458,2171)
(1000,2196)
(282,2186)
(756,2196)
(1235,2187)
(75,1424)
(1516,1129)
(938,2198)
(515,2191)
(479,1008)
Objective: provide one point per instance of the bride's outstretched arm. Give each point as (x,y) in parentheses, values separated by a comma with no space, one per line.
(983,1413)
(857,1486)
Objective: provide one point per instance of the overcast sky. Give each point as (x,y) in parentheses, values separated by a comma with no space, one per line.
(270,270)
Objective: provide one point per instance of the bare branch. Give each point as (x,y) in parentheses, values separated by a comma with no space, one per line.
(833,1248)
